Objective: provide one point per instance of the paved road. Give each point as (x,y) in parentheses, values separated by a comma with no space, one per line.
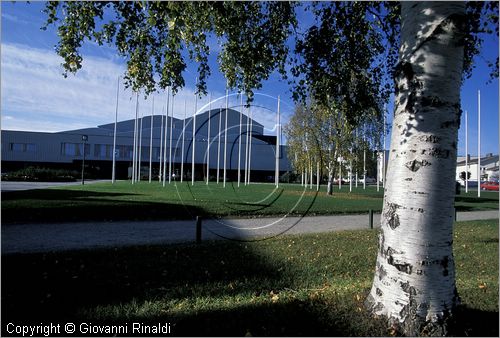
(23,238)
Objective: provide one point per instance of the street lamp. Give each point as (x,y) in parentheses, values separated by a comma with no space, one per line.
(84,139)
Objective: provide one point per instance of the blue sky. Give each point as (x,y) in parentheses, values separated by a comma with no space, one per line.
(35,95)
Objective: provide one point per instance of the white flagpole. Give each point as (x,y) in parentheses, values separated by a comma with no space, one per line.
(311,168)
(246,146)
(194,136)
(225,140)
(239,140)
(183,138)
(165,140)
(151,124)
(350,176)
(277,164)
(134,148)
(357,157)
(378,168)
(218,144)
(340,175)
(113,174)
(364,158)
(383,157)
(170,142)
(250,149)
(208,137)
(478,143)
(139,160)
(466,153)
(317,176)
(160,172)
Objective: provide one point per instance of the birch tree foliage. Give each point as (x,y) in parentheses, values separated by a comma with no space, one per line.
(154,38)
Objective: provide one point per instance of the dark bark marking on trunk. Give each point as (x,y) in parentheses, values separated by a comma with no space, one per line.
(439,153)
(444,264)
(403,267)
(430,138)
(379,292)
(391,215)
(410,290)
(381,273)
(420,210)
(408,179)
(415,165)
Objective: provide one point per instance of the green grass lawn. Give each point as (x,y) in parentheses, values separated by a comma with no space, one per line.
(290,285)
(144,201)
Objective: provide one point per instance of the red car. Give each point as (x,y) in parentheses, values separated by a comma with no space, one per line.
(489,186)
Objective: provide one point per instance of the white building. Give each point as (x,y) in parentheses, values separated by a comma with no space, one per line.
(489,168)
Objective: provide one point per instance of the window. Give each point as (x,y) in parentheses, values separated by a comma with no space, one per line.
(74,149)
(124,152)
(103,151)
(23,147)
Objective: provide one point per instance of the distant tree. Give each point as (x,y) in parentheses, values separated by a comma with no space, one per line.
(463,176)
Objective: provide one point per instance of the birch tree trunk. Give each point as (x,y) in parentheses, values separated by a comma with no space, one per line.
(414,283)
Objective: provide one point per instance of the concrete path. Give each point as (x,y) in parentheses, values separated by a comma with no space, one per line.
(24,238)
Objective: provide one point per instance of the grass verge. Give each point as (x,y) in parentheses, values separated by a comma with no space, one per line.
(144,201)
(291,285)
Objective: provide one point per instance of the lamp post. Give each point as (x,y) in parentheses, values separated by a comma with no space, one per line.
(84,139)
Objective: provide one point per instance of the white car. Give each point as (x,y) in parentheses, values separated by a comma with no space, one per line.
(368,180)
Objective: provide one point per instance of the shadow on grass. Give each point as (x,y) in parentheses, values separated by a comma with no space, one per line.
(58,194)
(475,200)
(58,205)
(469,322)
(212,289)
(149,284)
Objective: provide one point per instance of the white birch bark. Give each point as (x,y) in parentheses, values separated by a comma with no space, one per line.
(414,283)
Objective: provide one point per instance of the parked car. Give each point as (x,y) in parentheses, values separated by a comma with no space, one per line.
(489,186)
(368,180)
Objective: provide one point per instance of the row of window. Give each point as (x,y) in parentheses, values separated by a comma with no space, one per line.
(23,147)
(105,151)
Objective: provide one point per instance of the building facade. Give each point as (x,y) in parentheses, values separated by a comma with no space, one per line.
(67,149)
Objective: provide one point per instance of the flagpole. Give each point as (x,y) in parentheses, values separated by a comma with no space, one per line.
(194,136)
(170,142)
(478,143)
(466,153)
(151,124)
(317,176)
(161,149)
(364,157)
(277,164)
(165,140)
(250,148)
(183,138)
(218,144)
(383,156)
(139,159)
(134,148)
(208,137)
(246,146)
(239,140)
(225,140)
(113,174)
